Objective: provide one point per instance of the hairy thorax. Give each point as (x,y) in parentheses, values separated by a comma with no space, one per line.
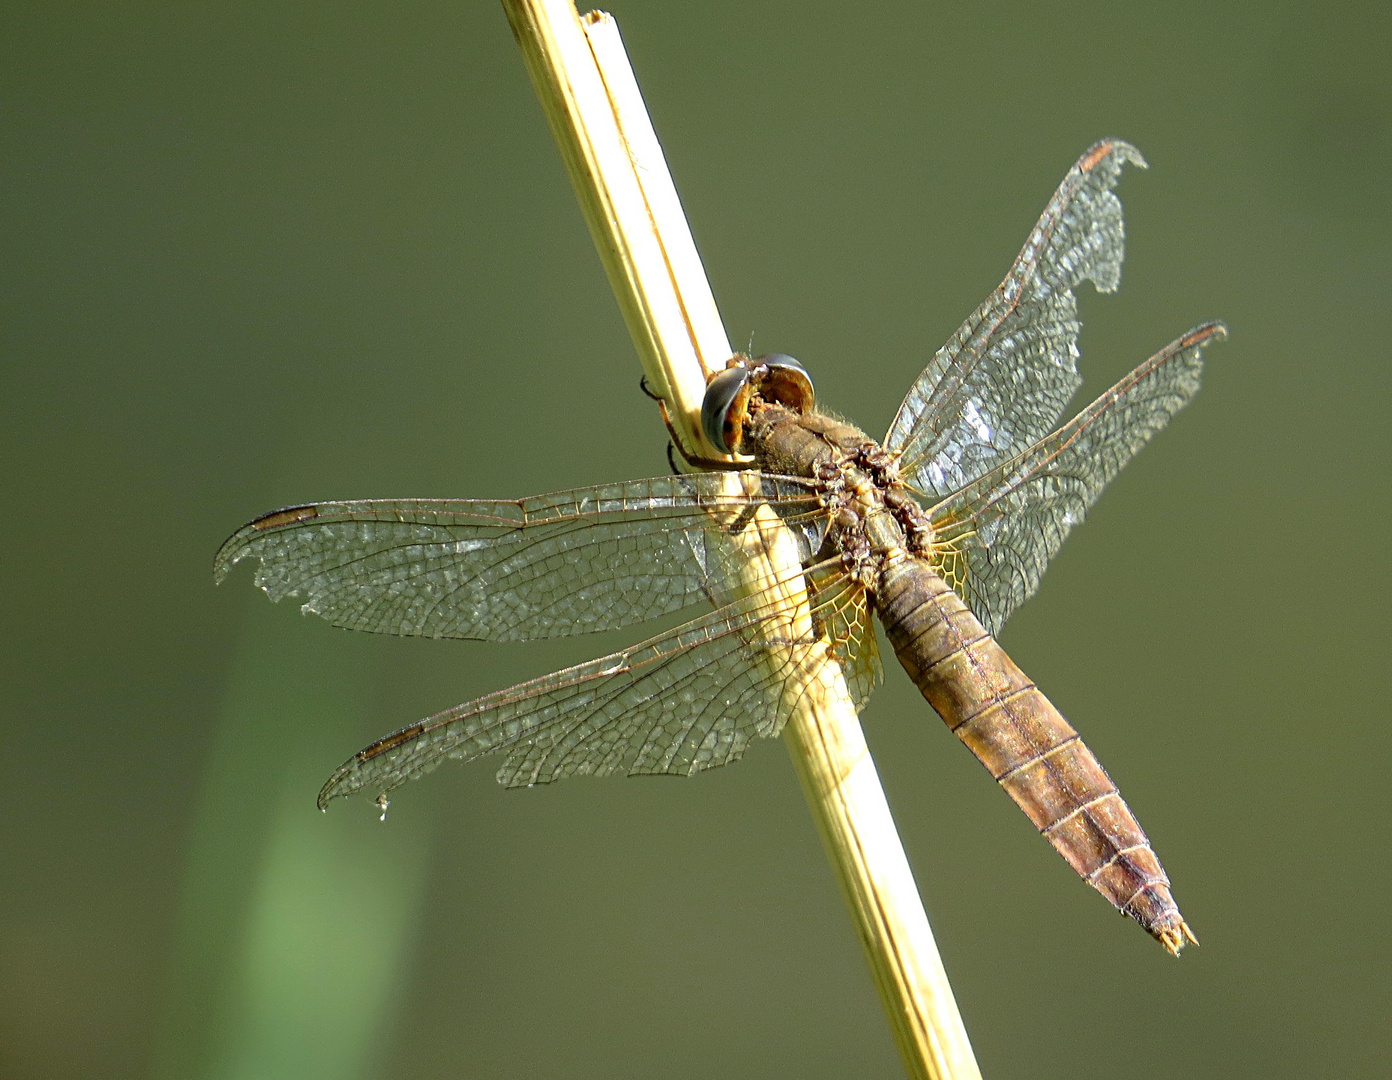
(875,522)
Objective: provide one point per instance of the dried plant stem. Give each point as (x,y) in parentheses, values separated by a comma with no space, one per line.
(591,99)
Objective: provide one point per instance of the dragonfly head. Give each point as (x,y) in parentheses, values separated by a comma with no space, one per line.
(775,379)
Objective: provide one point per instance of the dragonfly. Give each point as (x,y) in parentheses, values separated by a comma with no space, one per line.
(941,530)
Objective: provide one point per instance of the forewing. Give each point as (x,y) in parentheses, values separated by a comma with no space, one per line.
(1004,378)
(995,537)
(687,700)
(567,563)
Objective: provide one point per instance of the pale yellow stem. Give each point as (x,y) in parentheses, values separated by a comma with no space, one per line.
(591,99)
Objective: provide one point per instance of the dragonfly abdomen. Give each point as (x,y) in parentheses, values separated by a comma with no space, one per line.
(1026,745)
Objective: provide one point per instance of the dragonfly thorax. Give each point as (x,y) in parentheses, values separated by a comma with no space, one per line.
(873,519)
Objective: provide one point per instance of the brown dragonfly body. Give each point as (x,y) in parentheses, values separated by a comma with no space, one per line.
(942,529)
(887,542)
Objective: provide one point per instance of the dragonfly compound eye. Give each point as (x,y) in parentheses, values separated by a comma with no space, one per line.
(724,408)
(777,378)
(783,380)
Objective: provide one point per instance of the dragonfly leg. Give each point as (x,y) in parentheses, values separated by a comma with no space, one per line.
(697,461)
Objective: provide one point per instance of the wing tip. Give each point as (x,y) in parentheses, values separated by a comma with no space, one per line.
(1102,149)
(234,548)
(334,786)
(1215,330)
(228,555)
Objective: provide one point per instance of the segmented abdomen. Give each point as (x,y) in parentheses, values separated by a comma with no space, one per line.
(1026,744)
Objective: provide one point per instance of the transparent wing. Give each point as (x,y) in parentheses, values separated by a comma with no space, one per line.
(996,536)
(683,701)
(567,563)
(841,613)
(1004,378)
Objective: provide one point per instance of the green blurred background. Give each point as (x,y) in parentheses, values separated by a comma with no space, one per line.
(257,253)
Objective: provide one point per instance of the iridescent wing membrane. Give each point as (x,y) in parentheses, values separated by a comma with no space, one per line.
(974,432)
(575,562)
(572,562)
(1004,378)
(680,702)
(999,532)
